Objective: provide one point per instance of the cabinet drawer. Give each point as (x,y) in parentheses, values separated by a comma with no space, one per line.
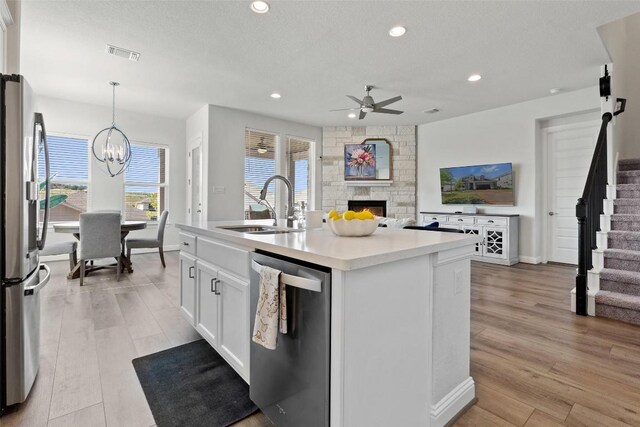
(188,243)
(461,220)
(231,259)
(500,222)
(428,219)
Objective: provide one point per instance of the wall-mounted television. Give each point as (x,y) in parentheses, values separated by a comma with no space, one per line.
(477,185)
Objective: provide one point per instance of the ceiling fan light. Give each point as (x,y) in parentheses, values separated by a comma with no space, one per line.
(260,6)
(398,31)
(352,115)
(367,109)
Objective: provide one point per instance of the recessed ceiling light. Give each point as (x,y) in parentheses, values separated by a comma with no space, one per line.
(431,111)
(276,95)
(474,77)
(260,6)
(555,91)
(352,115)
(397,31)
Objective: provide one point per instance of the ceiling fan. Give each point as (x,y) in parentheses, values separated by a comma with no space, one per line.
(367,104)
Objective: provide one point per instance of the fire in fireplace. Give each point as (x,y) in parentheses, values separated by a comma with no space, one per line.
(376,207)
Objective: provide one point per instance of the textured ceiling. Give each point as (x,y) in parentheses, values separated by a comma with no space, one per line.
(314,53)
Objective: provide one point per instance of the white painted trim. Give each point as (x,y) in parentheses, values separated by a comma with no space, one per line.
(530,259)
(454,402)
(5,16)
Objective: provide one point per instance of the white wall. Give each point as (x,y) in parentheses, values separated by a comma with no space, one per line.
(622,40)
(225,134)
(506,134)
(85,120)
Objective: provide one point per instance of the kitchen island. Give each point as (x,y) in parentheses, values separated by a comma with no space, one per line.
(400,314)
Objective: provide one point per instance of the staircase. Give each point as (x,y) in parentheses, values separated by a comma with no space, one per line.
(619,294)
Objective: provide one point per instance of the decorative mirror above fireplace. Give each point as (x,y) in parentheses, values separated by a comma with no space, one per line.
(368,161)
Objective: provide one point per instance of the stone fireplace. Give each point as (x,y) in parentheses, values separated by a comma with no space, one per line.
(399,194)
(376,207)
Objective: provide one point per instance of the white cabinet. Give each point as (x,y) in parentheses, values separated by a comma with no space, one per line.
(208,303)
(499,234)
(214,296)
(233,330)
(187,267)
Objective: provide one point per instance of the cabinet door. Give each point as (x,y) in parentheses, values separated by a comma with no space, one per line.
(188,287)
(495,244)
(234,321)
(208,303)
(476,231)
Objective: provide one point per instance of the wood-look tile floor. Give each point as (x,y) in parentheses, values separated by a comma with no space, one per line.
(534,362)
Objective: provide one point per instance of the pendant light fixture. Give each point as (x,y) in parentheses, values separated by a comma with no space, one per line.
(111,146)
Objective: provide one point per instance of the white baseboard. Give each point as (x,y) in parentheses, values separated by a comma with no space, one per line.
(65,257)
(530,259)
(455,401)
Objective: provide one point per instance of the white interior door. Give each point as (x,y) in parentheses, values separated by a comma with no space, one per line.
(194,182)
(569,152)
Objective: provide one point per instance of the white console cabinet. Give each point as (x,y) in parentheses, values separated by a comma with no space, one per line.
(499,244)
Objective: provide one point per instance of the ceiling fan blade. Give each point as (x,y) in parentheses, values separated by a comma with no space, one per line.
(362,114)
(355,99)
(388,101)
(346,109)
(387,111)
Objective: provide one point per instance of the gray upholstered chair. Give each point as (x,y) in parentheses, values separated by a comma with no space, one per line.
(100,238)
(136,243)
(63,248)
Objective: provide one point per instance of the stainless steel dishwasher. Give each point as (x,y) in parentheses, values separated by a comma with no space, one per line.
(291,383)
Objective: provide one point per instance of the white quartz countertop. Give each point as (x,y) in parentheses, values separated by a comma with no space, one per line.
(322,247)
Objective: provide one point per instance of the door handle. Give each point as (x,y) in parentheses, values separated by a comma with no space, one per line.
(553,213)
(191,276)
(39,121)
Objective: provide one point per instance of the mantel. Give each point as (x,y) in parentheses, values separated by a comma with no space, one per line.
(369,183)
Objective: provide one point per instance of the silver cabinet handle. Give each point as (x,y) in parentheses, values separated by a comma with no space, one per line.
(553,213)
(214,286)
(191,276)
(460,219)
(185,243)
(490,221)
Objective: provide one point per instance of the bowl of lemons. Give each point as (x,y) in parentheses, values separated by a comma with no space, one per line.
(352,224)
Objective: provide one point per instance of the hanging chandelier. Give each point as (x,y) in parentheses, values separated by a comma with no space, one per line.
(111,146)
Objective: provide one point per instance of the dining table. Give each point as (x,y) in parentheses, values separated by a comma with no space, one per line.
(73,227)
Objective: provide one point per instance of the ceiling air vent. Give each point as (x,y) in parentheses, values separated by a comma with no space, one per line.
(123,53)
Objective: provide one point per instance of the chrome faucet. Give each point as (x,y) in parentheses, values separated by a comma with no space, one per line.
(263,196)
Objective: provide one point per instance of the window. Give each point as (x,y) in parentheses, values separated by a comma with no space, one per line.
(298,168)
(145,188)
(259,164)
(69,175)
(267,154)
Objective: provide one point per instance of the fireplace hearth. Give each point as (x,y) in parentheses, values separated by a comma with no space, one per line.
(376,207)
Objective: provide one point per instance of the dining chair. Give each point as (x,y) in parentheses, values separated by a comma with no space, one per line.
(100,238)
(137,243)
(63,248)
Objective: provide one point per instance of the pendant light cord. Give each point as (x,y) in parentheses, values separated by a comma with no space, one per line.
(113,106)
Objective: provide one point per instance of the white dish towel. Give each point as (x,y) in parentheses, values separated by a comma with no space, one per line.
(271,312)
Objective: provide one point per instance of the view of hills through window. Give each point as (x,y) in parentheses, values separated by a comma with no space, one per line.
(69,172)
(145,183)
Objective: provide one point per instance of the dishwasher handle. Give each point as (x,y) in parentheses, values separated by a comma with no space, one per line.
(314,285)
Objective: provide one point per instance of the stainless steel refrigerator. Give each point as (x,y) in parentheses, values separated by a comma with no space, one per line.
(22,138)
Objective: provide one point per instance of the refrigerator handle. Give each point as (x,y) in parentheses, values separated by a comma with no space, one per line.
(39,121)
(31,290)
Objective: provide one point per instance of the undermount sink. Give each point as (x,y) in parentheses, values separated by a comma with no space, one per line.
(258,229)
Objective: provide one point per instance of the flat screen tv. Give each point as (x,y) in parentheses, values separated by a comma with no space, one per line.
(477,185)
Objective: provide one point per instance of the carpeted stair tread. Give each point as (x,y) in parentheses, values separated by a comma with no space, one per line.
(615,299)
(622,254)
(618,306)
(629,177)
(625,217)
(629,164)
(622,276)
(626,202)
(624,235)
